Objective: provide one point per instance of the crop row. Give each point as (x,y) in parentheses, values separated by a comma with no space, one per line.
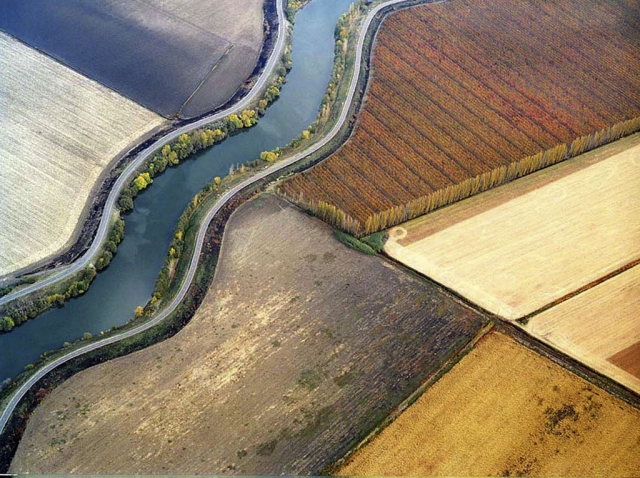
(467,95)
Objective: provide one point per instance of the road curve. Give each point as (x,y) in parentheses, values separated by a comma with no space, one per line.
(127,175)
(18,394)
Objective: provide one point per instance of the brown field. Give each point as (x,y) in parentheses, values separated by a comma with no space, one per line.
(468,95)
(300,348)
(48,168)
(628,359)
(600,327)
(505,410)
(524,245)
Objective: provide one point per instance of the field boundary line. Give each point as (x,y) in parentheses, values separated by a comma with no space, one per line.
(206,78)
(516,331)
(573,365)
(526,318)
(429,381)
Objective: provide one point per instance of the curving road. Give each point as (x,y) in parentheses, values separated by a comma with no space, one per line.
(128,173)
(20,392)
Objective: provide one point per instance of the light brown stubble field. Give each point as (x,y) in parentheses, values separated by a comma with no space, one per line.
(299,349)
(521,246)
(507,410)
(60,130)
(597,325)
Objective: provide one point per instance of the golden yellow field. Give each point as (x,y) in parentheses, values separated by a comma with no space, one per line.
(514,249)
(59,132)
(505,410)
(596,325)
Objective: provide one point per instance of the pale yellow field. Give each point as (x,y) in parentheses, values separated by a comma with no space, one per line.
(59,132)
(597,324)
(519,247)
(505,410)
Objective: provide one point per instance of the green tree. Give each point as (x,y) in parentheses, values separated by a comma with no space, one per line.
(142,181)
(7,324)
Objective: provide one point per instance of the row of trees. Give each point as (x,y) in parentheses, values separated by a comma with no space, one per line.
(453,193)
(189,144)
(343,34)
(21,310)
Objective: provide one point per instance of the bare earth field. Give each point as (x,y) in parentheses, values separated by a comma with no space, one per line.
(301,347)
(183,56)
(505,410)
(521,246)
(600,327)
(59,132)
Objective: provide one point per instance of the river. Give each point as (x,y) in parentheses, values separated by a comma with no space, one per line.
(129,280)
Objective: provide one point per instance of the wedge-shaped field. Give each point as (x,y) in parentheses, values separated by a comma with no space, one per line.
(301,347)
(467,95)
(505,410)
(182,57)
(59,132)
(600,327)
(522,246)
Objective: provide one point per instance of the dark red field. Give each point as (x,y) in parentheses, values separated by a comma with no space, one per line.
(465,96)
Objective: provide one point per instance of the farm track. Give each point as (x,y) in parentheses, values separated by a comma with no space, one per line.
(227,197)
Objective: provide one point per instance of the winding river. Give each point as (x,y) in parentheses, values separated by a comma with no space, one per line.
(129,280)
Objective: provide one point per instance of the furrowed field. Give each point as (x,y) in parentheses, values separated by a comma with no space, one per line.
(465,96)
(178,57)
(505,410)
(59,131)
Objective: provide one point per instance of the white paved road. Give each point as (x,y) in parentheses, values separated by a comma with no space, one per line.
(127,175)
(20,392)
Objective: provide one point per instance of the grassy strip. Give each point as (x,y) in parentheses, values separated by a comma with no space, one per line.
(375,241)
(353,242)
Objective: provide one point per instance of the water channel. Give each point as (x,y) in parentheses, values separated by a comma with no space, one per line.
(129,280)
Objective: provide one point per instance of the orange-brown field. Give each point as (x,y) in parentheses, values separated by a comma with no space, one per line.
(599,327)
(470,94)
(520,247)
(505,410)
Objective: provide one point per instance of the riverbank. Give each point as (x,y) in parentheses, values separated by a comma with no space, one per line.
(317,152)
(94,208)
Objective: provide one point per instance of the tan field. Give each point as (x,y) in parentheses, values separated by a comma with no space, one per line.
(519,247)
(60,130)
(300,348)
(505,410)
(600,327)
